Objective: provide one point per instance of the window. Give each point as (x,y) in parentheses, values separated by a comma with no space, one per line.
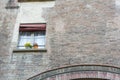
(32,33)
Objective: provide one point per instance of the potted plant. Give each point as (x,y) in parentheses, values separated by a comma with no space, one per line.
(35,46)
(28,45)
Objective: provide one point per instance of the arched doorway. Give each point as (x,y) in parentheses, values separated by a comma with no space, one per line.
(80,72)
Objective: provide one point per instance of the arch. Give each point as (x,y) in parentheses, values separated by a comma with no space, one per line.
(90,79)
(75,72)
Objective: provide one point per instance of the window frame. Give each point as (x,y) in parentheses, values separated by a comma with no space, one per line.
(32,33)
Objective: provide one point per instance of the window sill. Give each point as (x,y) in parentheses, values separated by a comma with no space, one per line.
(29,50)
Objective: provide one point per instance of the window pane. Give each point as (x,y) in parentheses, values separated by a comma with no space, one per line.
(21,47)
(32,37)
(39,38)
(25,33)
(40,33)
(25,37)
(40,41)
(23,41)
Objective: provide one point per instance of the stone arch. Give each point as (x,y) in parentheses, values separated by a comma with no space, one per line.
(90,79)
(75,72)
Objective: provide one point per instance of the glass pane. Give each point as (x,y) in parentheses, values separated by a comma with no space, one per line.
(25,34)
(32,37)
(40,41)
(23,41)
(39,38)
(21,47)
(24,38)
(40,33)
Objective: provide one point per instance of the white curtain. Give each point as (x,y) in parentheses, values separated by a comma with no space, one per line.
(24,38)
(32,37)
(40,39)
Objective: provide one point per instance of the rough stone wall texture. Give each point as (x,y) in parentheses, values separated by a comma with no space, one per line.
(83,32)
(78,32)
(28,64)
(7,21)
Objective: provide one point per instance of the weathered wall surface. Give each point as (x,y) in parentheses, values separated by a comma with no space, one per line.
(30,12)
(29,63)
(78,32)
(7,22)
(83,32)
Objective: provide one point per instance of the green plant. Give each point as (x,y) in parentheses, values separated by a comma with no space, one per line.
(28,45)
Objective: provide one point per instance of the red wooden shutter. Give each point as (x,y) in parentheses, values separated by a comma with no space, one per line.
(32,27)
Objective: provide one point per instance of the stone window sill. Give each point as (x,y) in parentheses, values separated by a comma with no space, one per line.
(29,50)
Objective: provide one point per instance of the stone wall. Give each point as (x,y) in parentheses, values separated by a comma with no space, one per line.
(7,22)
(83,32)
(27,64)
(78,32)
